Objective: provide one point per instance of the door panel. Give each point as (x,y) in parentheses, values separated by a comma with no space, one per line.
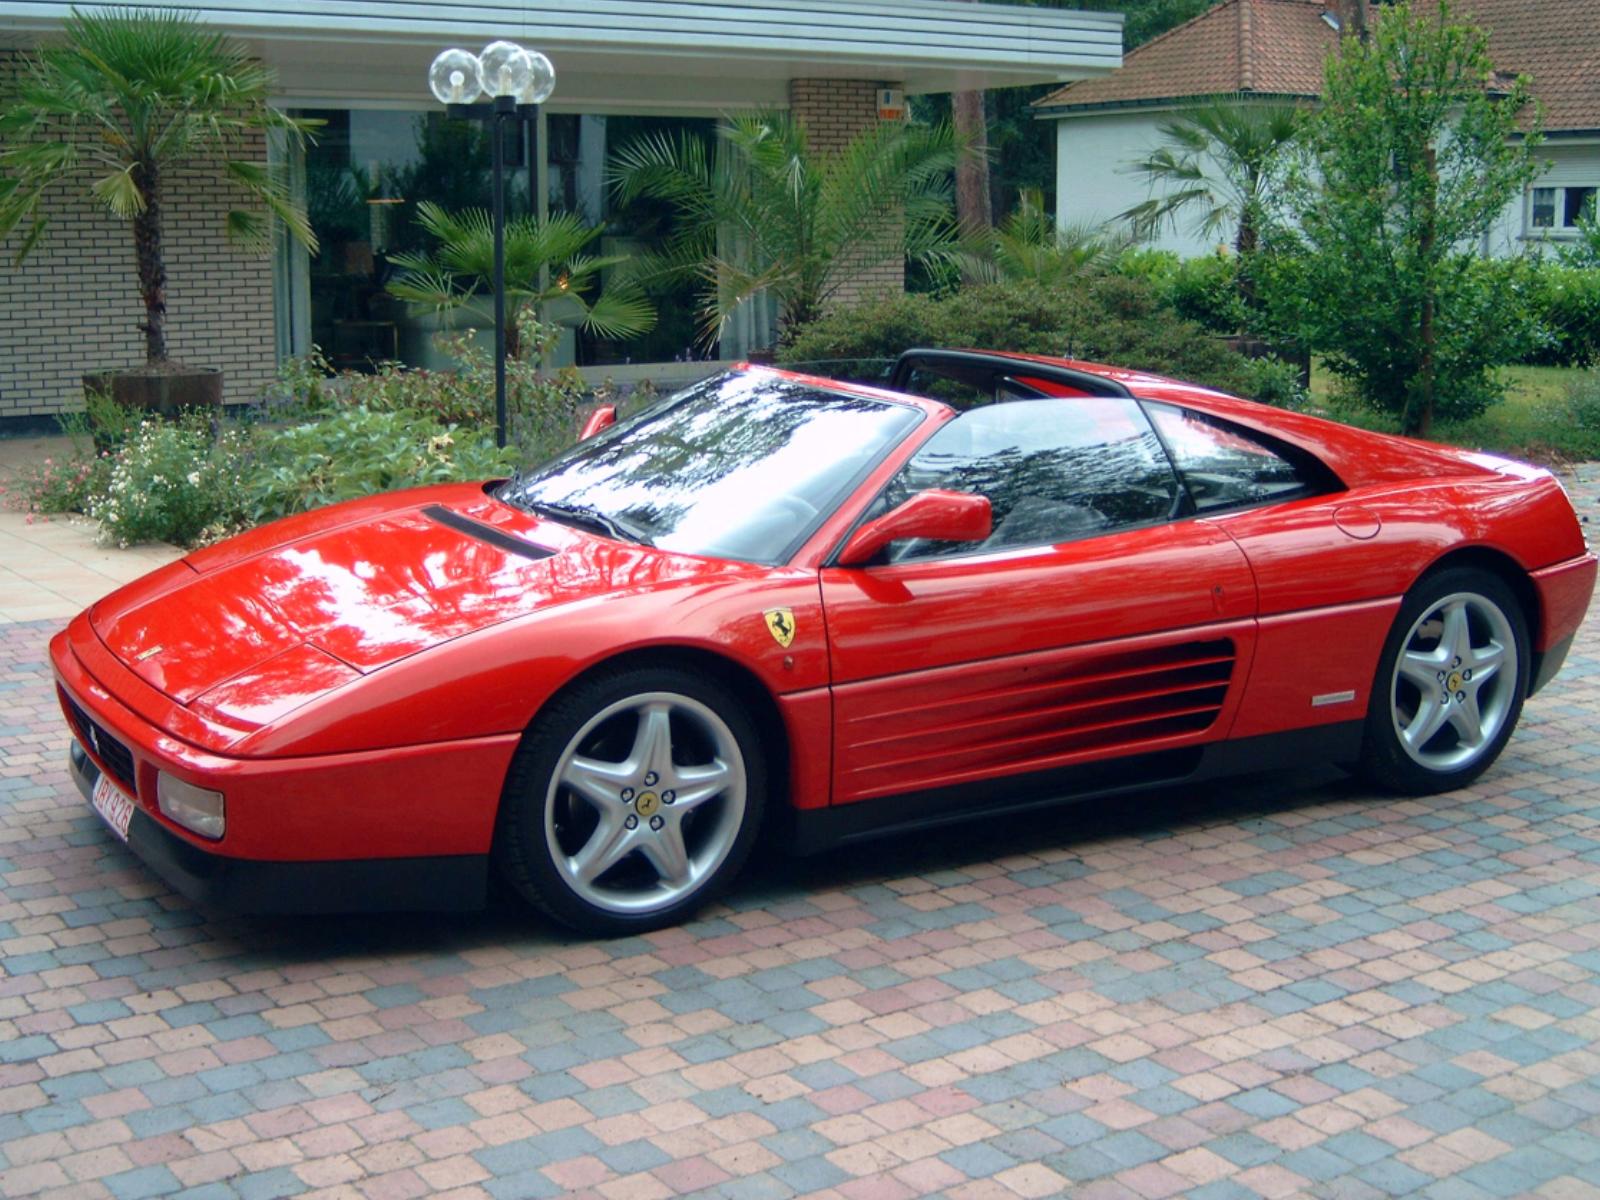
(963,668)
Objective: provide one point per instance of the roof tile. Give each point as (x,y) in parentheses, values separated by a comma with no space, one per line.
(1279,47)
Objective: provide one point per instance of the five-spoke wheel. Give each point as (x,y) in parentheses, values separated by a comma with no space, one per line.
(1451,683)
(634,797)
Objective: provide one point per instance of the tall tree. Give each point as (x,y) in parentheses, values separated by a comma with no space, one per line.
(125,100)
(974,204)
(1415,152)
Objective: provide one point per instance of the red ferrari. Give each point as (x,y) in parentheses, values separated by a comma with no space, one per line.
(836,611)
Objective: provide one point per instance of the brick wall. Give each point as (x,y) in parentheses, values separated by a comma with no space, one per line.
(834,111)
(74,306)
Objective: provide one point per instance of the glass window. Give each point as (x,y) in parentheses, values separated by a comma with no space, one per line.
(1544,208)
(742,466)
(1579,206)
(1223,467)
(365,174)
(1053,470)
(579,147)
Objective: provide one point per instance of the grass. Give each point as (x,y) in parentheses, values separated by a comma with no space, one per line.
(1550,415)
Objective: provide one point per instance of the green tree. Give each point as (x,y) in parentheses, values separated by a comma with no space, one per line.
(1221,163)
(765,211)
(124,101)
(1415,152)
(545,262)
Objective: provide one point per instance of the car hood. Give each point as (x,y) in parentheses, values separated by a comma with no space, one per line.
(246,631)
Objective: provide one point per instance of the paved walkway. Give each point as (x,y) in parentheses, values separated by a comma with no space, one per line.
(51,567)
(1278,987)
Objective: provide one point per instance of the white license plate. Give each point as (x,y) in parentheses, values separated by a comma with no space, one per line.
(113,805)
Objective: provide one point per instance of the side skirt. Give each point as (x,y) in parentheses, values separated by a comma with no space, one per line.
(820,829)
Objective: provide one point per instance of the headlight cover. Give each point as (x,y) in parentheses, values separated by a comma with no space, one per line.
(194,808)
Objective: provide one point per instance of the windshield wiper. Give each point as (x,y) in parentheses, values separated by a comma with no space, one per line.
(591,518)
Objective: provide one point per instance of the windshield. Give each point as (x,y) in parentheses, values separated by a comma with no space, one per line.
(743,466)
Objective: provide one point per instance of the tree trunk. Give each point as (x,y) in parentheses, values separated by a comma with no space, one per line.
(1428,368)
(1353,20)
(974,209)
(152,263)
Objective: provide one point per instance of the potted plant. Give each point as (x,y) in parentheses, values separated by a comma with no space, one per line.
(123,101)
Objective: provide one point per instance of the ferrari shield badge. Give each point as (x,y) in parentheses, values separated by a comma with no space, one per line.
(780,624)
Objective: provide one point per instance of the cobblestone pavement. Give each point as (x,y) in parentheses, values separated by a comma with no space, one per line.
(1284,986)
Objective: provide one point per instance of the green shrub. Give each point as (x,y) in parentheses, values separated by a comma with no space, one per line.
(355,452)
(1206,290)
(541,405)
(1583,409)
(1115,319)
(1565,301)
(170,482)
(1273,381)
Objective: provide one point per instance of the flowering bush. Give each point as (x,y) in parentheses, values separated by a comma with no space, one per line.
(171,482)
(58,487)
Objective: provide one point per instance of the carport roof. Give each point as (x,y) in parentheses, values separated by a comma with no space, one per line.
(680,53)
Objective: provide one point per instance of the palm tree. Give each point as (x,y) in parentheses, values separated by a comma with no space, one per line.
(125,100)
(766,211)
(1029,246)
(1221,162)
(546,260)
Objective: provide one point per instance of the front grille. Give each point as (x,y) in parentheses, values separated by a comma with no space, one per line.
(113,755)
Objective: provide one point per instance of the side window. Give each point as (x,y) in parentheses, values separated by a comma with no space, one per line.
(1053,470)
(1224,467)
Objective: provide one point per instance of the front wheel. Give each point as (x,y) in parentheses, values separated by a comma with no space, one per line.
(633,800)
(1450,684)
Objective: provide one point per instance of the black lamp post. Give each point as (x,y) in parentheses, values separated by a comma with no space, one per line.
(516,81)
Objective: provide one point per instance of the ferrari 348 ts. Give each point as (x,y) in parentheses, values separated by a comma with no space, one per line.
(834,610)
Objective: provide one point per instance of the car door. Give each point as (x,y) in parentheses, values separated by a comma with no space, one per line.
(1089,625)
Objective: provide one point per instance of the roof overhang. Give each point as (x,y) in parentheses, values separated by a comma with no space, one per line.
(1061,112)
(678,54)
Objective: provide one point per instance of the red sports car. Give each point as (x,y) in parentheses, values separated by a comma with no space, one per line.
(835,610)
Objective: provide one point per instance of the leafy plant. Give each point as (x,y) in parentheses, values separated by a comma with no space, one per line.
(127,99)
(546,259)
(1206,289)
(1565,300)
(1029,246)
(1416,150)
(765,210)
(358,451)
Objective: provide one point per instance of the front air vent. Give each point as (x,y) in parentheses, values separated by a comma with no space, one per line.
(108,751)
(510,543)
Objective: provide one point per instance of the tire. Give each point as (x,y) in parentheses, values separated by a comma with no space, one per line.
(1456,660)
(635,798)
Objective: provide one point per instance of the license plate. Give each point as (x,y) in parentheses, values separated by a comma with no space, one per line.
(113,805)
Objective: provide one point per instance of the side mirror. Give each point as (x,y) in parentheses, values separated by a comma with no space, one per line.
(938,515)
(603,417)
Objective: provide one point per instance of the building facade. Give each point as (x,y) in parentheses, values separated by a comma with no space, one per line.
(625,68)
(1274,51)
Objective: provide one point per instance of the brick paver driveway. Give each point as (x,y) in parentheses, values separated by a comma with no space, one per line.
(1282,986)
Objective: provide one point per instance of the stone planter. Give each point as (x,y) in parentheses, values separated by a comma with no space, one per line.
(163,391)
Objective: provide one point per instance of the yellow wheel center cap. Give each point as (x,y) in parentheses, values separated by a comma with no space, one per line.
(648,803)
(1454,681)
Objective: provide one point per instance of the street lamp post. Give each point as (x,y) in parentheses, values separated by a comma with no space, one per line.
(516,81)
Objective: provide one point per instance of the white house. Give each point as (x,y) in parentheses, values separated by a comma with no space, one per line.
(623,67)
(1273,51)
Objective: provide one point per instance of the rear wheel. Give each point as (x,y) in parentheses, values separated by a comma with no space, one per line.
(634,800)
(1450,685)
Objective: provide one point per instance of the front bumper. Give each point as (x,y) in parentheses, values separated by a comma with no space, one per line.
(452,882)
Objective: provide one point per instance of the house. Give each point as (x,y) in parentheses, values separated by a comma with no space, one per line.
(1273,51)
(624,67)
